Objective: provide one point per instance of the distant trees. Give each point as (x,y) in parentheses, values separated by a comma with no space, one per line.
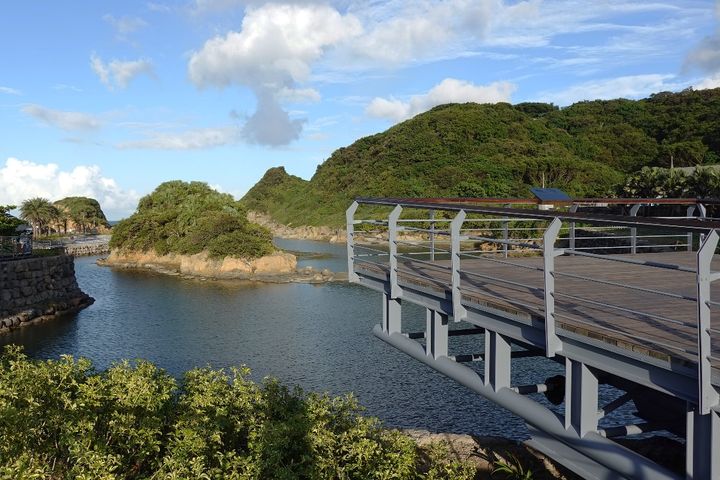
(8,223)
(38,212)
(655,182)
(84,213)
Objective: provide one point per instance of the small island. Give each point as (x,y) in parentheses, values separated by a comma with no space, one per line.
(189,229)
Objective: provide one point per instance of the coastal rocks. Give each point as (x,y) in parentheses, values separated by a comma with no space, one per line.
(38,289)
(279,267)
(324,234)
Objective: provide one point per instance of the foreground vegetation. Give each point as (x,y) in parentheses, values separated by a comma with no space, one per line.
(61,419)
(502,150)
(188,218)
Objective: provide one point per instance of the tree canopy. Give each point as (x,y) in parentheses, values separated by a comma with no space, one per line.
(188,218)
(85,213)
(8,223)
(500,150)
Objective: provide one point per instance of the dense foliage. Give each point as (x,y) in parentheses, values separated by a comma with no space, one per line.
(84,212)
(656,182)
(39,213)
(188,218)
(61,419)
(8,223)
(502,150)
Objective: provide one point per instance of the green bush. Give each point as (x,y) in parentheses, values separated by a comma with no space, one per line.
(188,218)
(62,419)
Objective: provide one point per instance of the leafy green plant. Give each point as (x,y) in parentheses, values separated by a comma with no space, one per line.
(62,419)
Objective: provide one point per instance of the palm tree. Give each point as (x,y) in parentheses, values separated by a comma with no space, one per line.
(38,212)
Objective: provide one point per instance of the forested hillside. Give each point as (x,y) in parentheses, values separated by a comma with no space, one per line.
(502,150)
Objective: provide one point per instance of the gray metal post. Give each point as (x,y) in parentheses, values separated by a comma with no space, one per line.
(581,398)
(392,309)
(690,213)
(552,342)
(498,361)
(350,241)
(459,312)
(432,235)
(395,290)
(506,234)
(707,395)
(702,444)
(573,209)
(436,334)
(633,231)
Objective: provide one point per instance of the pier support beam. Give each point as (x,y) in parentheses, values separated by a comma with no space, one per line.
(702,444)
(497,361)
(392,308)
(581,398)
(436,334)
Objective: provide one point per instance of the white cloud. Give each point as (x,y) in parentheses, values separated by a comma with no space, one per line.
(709,82)
(449,90)
(706,56)
(188,140)
(125,25)
(272,53)
(23,179)
(62,119)
(9,91)
(119,73)
(632,86)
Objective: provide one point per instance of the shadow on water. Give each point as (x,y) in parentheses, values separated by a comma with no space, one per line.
(316,336)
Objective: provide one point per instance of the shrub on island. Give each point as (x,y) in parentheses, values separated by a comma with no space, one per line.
(62,419)
(189,218)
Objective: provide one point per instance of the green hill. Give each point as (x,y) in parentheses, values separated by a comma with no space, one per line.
(83,212)
(188,218)
(501,150)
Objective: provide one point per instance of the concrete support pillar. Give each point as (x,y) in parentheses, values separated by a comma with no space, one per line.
(497,360)
(392,308)
(436,334)
(702,445)
(581,398)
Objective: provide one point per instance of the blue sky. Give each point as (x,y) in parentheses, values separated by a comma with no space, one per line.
(109,99)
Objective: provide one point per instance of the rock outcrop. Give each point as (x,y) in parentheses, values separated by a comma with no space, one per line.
(323,234)
(38,289)
(278,267)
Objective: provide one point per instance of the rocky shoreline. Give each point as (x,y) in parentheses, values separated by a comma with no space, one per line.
(279,267)
(322,234)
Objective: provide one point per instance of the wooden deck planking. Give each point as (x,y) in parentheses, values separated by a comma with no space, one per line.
(673,336)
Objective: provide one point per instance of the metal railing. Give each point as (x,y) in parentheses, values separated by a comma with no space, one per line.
(16,247)
(457,234)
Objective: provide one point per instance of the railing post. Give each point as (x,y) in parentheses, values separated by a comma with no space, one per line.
(459,312)
(707,395)
(552,342)
(432,235)
(633,230)
(573,209)
(689,214)
(506,233)
(395,290)
(350,241)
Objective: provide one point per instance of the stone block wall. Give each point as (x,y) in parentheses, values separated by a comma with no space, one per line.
(36,289)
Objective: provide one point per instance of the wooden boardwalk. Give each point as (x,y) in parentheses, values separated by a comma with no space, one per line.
(643,322)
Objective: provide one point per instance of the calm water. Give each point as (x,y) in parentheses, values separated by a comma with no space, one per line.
(316,336)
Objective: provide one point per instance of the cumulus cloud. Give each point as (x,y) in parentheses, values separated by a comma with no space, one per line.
(450,90)
(632,86)
(23,179)
(706,56)
(62,119)
(187,140)
(117,73)
(271,54)
(9,91)
(709,82)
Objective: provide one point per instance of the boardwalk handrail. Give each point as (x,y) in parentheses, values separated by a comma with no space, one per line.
(675,337)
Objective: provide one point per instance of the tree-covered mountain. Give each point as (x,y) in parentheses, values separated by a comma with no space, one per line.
(80,214)
(501,150)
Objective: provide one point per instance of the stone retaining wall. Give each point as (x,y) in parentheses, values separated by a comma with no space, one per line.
(37,289)
(87,249)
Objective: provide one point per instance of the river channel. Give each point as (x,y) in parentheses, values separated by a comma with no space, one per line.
(316,336)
